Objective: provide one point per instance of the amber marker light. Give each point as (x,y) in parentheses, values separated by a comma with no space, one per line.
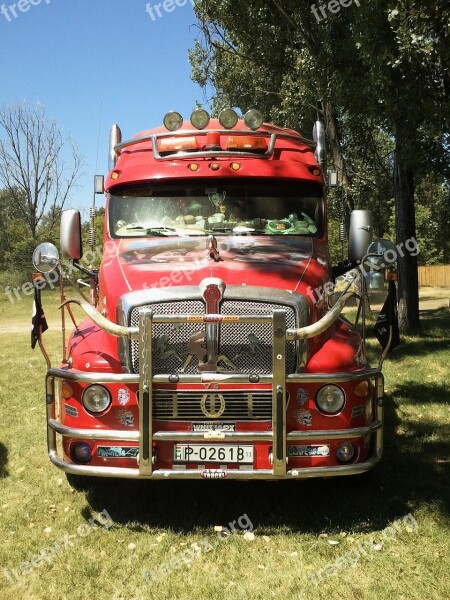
(214,166)
(315,171)
(362,389)
(66,390)
(235,166)
(115,175)
(194,167)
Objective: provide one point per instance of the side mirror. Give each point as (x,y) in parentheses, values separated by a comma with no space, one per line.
(360,236)
(320,139)
(386,256)
(70,235)
(45,258)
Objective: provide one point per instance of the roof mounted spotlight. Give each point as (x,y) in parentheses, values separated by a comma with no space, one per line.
(253,119)
(228,118)
(173,121)
(200,118)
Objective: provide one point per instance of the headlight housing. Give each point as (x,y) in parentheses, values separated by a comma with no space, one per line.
(330,399)
(96,399)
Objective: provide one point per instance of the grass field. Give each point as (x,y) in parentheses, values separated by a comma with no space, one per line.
(384,539)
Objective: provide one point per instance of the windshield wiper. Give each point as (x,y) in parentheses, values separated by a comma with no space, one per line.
(161,231)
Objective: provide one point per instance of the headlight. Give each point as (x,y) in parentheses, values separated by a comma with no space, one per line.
(330,399)
(96,399)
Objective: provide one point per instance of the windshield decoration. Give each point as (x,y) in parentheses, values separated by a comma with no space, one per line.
(244,208)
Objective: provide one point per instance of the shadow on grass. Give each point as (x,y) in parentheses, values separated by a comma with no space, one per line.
(414,471)
(3,461)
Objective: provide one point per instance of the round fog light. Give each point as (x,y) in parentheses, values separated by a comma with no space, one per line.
(345,452)
(228,118)
(96,399)
(81,453)
(173,121)
(254,119)
(200,118)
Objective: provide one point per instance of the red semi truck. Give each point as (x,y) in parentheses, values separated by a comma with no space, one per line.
(211,347)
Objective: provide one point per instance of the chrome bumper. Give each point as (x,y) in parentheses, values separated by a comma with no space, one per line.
(278,437)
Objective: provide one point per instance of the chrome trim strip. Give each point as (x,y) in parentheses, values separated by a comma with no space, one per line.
(300,473)
(93,377)
(145,393)
(94,434)
(127,378)
(190,436)
(274,136)
(279,392)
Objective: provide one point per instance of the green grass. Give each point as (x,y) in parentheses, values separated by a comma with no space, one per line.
(293,521)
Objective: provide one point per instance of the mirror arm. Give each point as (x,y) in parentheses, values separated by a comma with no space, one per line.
(90,272)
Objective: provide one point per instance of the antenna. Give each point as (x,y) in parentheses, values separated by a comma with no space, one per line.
(92,240)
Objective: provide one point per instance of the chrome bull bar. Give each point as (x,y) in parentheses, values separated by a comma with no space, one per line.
(278,437)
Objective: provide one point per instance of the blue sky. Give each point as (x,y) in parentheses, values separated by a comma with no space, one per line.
(78,56)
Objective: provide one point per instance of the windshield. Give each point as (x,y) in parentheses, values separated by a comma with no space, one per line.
(268,208)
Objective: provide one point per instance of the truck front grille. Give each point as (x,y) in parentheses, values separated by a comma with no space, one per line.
(244,348)
(237,405)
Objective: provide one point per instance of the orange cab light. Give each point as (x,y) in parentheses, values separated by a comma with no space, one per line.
(362,389)
(115,175)
(182,144)
(194,167)
(246,143)
(214,166)
(66,390)
(235,166)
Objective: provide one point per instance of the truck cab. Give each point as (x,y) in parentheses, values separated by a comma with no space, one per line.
(213,345)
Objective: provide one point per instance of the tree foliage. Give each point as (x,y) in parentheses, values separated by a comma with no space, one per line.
(33,165)
(380,69)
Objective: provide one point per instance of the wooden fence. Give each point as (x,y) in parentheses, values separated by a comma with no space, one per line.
(435,276)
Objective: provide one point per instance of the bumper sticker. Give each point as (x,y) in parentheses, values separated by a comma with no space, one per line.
(117,452)
(71,411)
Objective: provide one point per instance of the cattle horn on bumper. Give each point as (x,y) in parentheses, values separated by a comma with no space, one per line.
(103,322)
(323,324)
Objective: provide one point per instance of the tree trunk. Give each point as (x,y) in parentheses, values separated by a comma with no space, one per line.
(338,158)
(405,227)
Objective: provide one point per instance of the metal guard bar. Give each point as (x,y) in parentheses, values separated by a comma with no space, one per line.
(279,437)
(214,154)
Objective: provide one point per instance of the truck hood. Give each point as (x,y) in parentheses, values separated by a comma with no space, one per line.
(293,264)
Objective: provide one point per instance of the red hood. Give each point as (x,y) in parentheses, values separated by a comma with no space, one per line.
(292,264)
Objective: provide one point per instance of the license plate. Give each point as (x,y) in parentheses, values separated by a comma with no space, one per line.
(196,453)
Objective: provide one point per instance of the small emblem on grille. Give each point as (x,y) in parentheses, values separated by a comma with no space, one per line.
(212,405)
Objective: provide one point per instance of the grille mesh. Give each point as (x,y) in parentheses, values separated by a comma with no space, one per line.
(247,346)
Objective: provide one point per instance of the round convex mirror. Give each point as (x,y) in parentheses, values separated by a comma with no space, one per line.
(387,254)
(45,258)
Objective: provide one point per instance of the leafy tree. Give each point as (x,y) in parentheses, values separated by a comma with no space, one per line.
(380,71)
(32,165)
